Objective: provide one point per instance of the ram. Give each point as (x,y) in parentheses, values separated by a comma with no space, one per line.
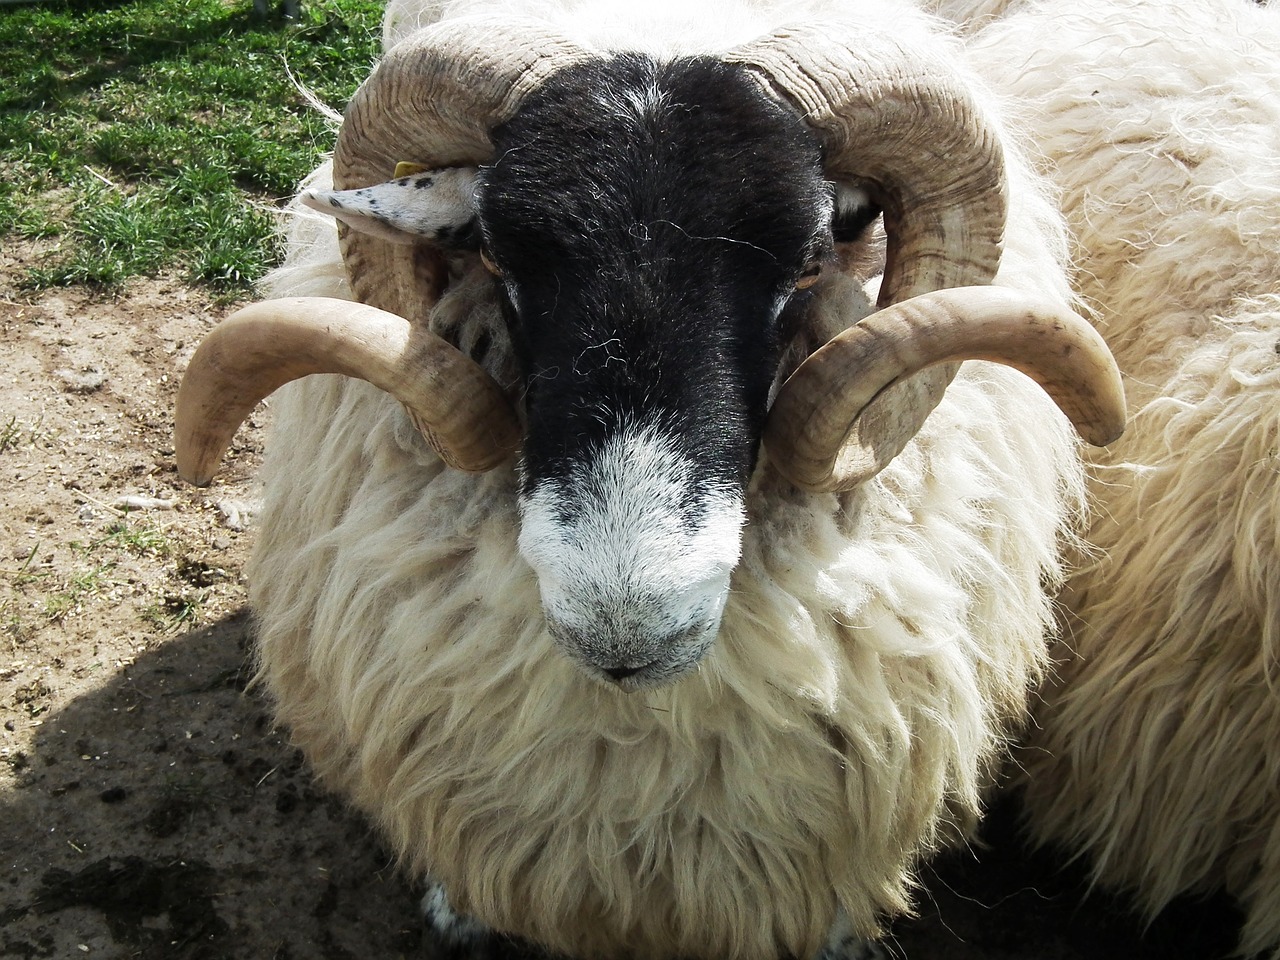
(726,629)
(1158,752)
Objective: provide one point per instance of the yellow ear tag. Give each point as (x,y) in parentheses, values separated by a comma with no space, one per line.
(406,169)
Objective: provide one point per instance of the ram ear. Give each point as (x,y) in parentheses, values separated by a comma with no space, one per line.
(852,212)
(435,206)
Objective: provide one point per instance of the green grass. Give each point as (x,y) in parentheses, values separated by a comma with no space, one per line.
(176,611)
(10,435)
(143,540)
(160,135)
(15,434)
(82,584)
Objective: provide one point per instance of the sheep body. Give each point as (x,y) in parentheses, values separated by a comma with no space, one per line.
(875,652)
(1158,751)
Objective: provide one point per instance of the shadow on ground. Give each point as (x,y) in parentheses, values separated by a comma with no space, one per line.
(1006,902)
(162,816)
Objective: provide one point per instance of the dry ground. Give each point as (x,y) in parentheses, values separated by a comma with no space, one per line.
(148,807)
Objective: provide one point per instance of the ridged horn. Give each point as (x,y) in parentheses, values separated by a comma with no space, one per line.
(810,425)
(903,125)
(458,407)
(433,101)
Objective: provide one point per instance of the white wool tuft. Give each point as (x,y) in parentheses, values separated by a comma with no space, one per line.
(972,15)
(1159,750)
(875,653)
(659,27)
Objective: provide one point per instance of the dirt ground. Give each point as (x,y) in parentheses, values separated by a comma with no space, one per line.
(148,806)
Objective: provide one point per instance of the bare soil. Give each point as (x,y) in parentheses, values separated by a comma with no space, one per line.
(148,806)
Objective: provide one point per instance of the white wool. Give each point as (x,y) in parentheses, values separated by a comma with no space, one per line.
(659,27)
(972,15)
(875,652)
(1159,750)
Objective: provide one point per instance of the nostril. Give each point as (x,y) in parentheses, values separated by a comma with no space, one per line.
(621,673)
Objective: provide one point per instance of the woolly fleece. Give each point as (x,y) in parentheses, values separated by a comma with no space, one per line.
(1158,752)
(875,655)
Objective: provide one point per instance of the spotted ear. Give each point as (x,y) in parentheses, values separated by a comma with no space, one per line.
(436,206)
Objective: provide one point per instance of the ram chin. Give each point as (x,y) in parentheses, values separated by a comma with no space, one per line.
(633,556)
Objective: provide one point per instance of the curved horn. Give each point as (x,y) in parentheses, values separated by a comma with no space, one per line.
(458,407)
(810,427)
(901,123)
(433,100)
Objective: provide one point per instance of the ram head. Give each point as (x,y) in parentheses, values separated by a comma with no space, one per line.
(656,231)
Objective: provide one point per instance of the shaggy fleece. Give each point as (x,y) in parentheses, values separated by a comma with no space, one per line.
(1159,746)
(875,655)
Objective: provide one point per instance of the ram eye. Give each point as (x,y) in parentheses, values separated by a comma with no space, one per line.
(488,263)
(810,276)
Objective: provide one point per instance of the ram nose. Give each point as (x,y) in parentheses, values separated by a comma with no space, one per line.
(630,659)
(621,673)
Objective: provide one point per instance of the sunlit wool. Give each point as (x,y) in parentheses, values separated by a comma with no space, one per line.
(1159,745)
(875,652)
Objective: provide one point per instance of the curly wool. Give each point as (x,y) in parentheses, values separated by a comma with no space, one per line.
(876,653)
(1159,745)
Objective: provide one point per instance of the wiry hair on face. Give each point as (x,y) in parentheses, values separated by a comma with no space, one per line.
(650,221)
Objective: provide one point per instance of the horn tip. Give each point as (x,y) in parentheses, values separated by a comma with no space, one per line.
(196,467)
(1105,433)
(197,479)
(199,475)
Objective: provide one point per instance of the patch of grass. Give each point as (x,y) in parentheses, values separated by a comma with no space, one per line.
(10,434)
(58,606)
(175,611)
(15,434)
(143,540)
(161,134)
(84,583)
(92,579)
(25,574)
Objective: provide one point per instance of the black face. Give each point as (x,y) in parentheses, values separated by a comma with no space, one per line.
(650,222)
